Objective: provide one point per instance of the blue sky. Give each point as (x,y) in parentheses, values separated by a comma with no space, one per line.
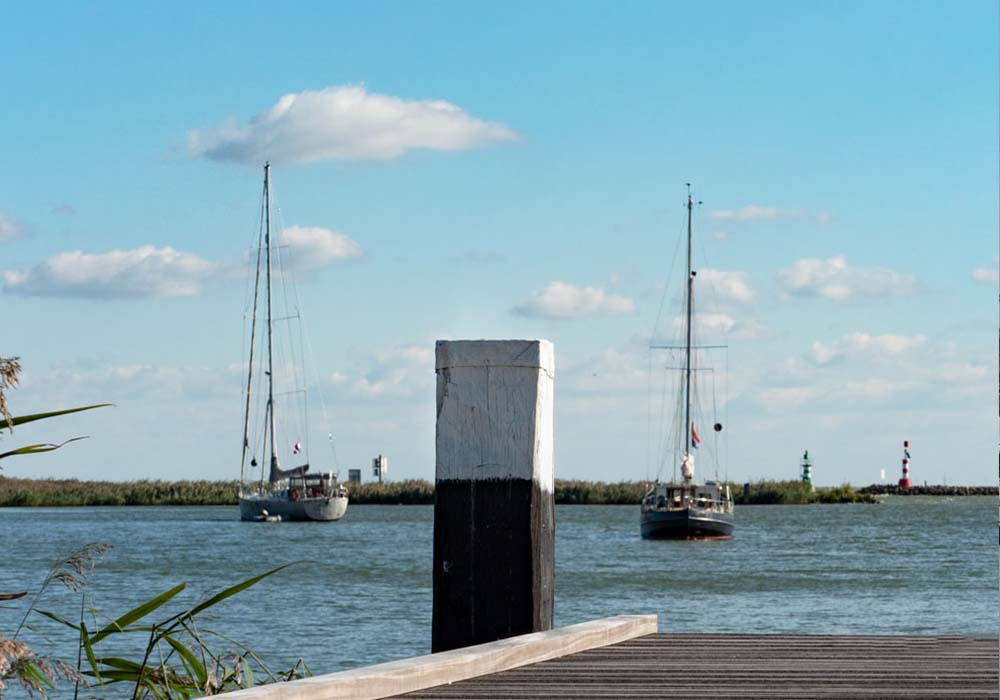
(512,171)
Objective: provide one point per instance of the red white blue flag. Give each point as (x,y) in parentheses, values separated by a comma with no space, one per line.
(297,448)
(695,440)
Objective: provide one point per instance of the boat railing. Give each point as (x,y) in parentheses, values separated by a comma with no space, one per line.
(659,502)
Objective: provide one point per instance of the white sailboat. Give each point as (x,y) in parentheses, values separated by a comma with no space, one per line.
(687,509)
(278,494)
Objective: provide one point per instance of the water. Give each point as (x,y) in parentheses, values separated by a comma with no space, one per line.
(362,592)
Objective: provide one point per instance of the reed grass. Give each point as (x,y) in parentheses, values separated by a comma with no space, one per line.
(15,492)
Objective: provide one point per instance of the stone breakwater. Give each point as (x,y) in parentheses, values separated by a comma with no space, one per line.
(932,490)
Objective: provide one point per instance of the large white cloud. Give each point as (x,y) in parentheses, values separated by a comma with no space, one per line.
(142,273)
(561,300)
(734,286)
(345,123)
(310,248)
(836,280)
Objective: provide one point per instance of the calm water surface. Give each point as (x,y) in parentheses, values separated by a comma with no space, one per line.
(363,592)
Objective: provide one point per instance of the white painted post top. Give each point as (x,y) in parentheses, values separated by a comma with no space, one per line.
(495,353)
(495,410)
(408,675)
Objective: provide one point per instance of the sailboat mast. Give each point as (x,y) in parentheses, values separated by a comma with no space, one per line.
(270,367)
(253,334)
(687,349)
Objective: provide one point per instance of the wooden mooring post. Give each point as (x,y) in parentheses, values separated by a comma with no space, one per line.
(494,513)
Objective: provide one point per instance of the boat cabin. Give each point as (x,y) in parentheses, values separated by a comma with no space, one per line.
(312,485)
(671,496)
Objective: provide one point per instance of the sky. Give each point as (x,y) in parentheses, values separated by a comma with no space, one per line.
(516,170)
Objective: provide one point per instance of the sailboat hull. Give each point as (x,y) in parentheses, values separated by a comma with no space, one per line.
(262,507)
(686,524)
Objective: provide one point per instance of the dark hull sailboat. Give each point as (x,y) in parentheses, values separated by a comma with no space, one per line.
(687,510)
(686,524)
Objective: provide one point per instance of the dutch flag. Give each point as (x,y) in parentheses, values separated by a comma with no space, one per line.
(695,440)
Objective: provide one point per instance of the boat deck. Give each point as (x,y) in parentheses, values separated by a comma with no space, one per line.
(751,666)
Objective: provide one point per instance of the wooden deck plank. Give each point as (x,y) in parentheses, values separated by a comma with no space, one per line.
(752,666)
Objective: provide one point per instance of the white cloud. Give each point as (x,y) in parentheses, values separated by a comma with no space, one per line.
(891,371)
(980,274)
(754,212)
(403,371)
(8,227)
(728,285)
(561,300)
(85,380)
(310,248)
(733,328)
(757,212)
(609,373)
(836,280)
(145,272)
(708,322)
(345,123)
(863,344)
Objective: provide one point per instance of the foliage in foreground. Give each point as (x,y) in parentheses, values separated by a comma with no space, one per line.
(10,373)
(180,659)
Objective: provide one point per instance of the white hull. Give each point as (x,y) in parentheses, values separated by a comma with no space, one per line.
(321,508)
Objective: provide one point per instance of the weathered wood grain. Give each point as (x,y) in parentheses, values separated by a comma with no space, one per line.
(752,666)
(389,679)
(494,513)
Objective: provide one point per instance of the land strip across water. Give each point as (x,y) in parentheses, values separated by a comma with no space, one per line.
(16,492)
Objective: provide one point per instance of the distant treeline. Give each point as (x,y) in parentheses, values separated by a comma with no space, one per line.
(72,492)
(932,490)
(796,493)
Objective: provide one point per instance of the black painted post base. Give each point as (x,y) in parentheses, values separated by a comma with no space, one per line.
(493,561)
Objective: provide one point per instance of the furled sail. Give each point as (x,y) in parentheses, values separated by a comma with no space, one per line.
(277,473)
(687,467)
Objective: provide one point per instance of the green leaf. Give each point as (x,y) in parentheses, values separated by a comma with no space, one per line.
(58,619)
(89,649)
(30,670)
(116,676)
(41,447)
(192,663)
(119,663)
(231,591)
(138,613)
(20,420)
(247,673)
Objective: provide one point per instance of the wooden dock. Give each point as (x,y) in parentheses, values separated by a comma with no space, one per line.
(624,657)
(751,666)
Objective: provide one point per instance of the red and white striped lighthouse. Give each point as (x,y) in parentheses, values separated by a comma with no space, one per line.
(904,482)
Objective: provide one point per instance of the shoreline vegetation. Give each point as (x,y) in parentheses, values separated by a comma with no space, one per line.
(15,492)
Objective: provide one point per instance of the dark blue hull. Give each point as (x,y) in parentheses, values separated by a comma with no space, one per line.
(686,524)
